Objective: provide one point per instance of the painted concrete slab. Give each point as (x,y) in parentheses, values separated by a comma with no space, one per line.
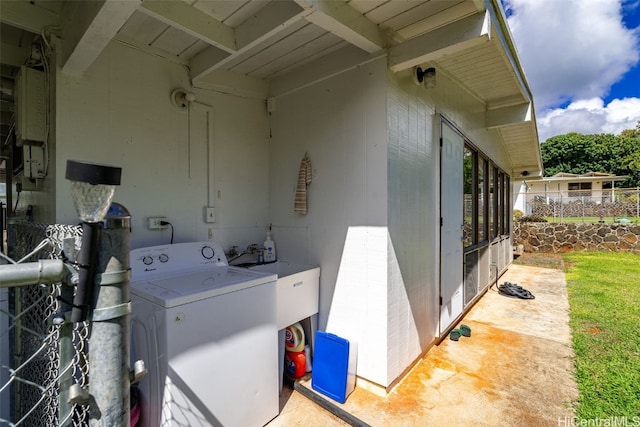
(515,369)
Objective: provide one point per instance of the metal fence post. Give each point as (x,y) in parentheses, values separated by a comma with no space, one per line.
(65,344)
(66,352)
(109,339)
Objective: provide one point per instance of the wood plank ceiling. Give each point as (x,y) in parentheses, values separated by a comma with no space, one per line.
(261,39)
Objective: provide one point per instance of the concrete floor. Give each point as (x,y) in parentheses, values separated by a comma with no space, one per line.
(516,369)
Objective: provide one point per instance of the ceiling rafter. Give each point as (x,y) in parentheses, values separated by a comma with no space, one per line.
(345,22)
(446,40)
(94,25)
(250,34)
(273,15)
(192,21)
(28,16)
(507,116)
(440,19)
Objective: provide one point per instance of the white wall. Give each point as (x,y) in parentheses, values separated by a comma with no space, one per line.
(373,203)
(373,214)
(341,124)
(413,228)
(414,193)
(120,113)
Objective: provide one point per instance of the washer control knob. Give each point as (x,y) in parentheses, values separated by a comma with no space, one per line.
(163,257)
(147,260)
(207,252)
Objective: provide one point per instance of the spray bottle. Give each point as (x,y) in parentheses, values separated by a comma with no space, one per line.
(269,248)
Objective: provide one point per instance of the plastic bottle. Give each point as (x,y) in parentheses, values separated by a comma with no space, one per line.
(269,248)
(307,357)
(294,338)
(295,363)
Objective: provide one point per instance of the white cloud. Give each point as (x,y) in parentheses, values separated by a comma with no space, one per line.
(572,52)
(571,49)
(589,116)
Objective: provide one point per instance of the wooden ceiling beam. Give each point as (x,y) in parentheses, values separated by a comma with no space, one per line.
(345,22)
(192,21)
(88,27)
(446,40)
(28,16)
(274,18)
(507,116)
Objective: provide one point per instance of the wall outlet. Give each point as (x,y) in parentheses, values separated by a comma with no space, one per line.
(154,222)
(209,214)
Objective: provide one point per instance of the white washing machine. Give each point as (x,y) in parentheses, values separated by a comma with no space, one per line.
(208,335)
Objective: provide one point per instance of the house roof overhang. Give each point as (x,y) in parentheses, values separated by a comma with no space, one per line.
(590,177)
(478,52)
(282,44)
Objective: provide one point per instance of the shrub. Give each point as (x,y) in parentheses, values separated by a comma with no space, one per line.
(532,218)
(517,214)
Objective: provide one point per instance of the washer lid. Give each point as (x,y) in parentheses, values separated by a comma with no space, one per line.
(183,289)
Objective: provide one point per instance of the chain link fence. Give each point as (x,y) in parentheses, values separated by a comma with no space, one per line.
(607,205)
(31,364)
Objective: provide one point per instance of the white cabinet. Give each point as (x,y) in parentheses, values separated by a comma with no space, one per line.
(297,296)
(298,291)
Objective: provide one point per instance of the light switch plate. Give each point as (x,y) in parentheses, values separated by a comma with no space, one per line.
(209,214)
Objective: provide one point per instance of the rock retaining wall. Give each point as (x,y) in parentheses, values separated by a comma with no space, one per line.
(548,237)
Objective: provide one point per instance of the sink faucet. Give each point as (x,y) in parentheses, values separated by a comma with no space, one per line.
(253,248)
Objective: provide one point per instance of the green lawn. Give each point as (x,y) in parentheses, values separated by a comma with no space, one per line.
(586,219)
(604,295)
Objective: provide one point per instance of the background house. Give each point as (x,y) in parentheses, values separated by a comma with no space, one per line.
(596,187)
(409,204)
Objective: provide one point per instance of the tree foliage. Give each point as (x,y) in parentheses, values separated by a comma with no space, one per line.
(579,154)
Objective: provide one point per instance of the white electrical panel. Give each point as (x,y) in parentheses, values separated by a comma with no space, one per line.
(33,156)
(31,184)
(31,107)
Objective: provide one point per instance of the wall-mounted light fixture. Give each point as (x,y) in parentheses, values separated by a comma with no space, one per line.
(426,76)
(92,190)
(524,173)
(181,98)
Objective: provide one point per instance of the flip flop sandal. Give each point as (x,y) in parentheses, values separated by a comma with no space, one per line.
(454,335)
(465,330)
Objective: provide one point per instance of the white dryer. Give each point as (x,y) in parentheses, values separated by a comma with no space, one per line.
(207,333)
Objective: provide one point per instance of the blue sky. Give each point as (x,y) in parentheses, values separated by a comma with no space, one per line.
(582,62)
(630,83)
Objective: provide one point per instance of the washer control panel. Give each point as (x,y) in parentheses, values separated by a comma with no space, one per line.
(168,259)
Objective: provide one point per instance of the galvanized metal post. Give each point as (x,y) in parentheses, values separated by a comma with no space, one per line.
(109,339)
(65,343)
(65,358)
